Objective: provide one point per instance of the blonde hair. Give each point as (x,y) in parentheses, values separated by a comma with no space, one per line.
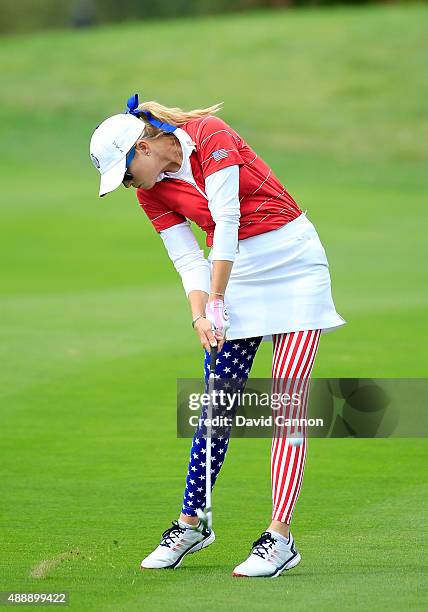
(174,116)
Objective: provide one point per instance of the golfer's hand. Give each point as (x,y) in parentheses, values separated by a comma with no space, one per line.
(203,328)
(216,313)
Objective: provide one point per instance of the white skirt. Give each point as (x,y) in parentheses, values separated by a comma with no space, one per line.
(280,282)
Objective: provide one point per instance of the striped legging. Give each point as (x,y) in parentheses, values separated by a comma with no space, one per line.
(293,359)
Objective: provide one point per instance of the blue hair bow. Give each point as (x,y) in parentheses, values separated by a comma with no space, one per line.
(132,109)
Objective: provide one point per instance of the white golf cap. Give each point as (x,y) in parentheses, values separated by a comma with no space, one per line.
(110,144)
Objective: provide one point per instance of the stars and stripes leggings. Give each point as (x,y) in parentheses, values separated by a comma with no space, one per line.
(293,359)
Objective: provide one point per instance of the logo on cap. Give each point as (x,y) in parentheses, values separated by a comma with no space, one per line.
(118,147)
(95,161)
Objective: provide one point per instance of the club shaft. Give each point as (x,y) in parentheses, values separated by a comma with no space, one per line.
(211,384)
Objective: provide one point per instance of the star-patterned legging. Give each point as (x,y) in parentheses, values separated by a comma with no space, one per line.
(293,359)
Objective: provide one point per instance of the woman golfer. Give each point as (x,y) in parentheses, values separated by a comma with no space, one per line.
(266,278)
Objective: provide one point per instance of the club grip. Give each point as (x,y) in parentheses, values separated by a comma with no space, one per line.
(213,359)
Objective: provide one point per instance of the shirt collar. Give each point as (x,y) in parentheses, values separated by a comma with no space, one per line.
(187,147)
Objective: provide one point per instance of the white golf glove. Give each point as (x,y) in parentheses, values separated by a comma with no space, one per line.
(216,314)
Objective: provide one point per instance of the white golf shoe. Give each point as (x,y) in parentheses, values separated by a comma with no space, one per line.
(177,542)
(271,555)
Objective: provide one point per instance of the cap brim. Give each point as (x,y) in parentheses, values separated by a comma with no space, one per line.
(113,178)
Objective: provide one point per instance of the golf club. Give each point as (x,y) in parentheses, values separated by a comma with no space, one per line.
(205,516)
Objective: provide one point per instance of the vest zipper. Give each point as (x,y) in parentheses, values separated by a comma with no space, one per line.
(194,185)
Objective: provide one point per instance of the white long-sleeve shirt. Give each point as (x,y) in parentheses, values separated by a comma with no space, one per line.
(222,190)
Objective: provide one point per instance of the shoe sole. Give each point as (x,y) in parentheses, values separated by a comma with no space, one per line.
(292,562)
(198,546)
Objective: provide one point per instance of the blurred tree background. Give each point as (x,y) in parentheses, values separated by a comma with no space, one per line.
(29,15)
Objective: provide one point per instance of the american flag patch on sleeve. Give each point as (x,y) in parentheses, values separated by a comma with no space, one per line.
(220,154)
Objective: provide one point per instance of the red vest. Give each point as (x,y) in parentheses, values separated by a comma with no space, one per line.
(265,203)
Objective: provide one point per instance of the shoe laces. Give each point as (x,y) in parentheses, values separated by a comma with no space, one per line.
(171,534)
(263,545)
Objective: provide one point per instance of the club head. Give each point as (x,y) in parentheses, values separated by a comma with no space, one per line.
(202,516)
(205,519)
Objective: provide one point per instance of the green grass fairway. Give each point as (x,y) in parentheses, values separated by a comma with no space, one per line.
(95,327)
